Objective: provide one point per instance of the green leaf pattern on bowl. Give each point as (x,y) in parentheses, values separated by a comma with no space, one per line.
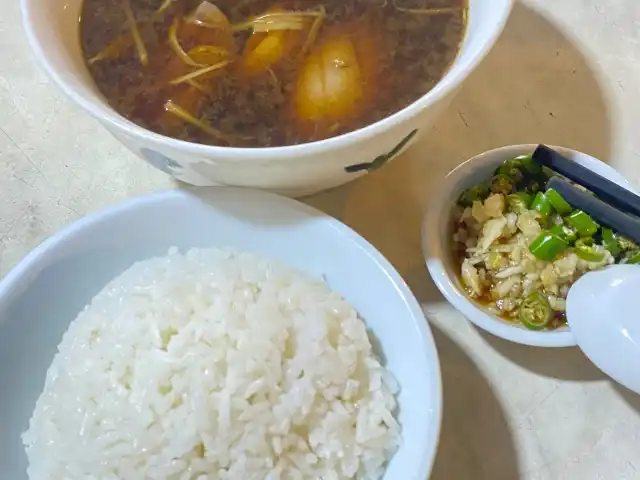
(382,160)
(160,161)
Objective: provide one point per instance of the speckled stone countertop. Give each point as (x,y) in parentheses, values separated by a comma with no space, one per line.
(564,72)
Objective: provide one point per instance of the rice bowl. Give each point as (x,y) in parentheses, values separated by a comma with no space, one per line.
(46,291)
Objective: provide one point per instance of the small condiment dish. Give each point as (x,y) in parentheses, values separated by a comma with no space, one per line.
(437,241)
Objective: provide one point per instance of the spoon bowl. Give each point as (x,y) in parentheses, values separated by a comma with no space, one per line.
(603,311)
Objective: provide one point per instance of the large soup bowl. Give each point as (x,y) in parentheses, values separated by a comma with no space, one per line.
(52,29)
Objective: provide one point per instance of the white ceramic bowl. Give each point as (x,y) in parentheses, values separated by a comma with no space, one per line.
(52,30)
(437,233)
(41,295)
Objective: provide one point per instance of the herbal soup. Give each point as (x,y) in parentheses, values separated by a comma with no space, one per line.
(256,73)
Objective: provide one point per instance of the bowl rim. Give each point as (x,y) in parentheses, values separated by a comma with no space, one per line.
(103,113)
(22,272)
(431,247)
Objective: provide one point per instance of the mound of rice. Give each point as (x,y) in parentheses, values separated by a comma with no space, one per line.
(214,365)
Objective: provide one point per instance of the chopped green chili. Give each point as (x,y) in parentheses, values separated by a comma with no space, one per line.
(470,195)
(529,164)
(565,232)
(519,202)
(502,184)
(634,257)
(559,204)
(511,169)
(542,205)
(583,223)
(547,173)
(509,164)
(586,251)
(610,242)
(535,311)
(547,246)
(533,187)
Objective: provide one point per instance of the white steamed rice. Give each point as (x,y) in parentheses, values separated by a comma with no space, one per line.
(214,365)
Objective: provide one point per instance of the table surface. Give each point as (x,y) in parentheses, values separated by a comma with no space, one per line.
(564,72)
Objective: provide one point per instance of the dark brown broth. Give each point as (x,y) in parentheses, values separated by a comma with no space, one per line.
(416,52)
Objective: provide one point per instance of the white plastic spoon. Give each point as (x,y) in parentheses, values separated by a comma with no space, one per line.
(603,311)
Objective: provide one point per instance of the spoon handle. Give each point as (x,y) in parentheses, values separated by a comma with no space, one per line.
(600,211)
(613,194)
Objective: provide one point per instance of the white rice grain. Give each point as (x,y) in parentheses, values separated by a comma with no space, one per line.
(214,365)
